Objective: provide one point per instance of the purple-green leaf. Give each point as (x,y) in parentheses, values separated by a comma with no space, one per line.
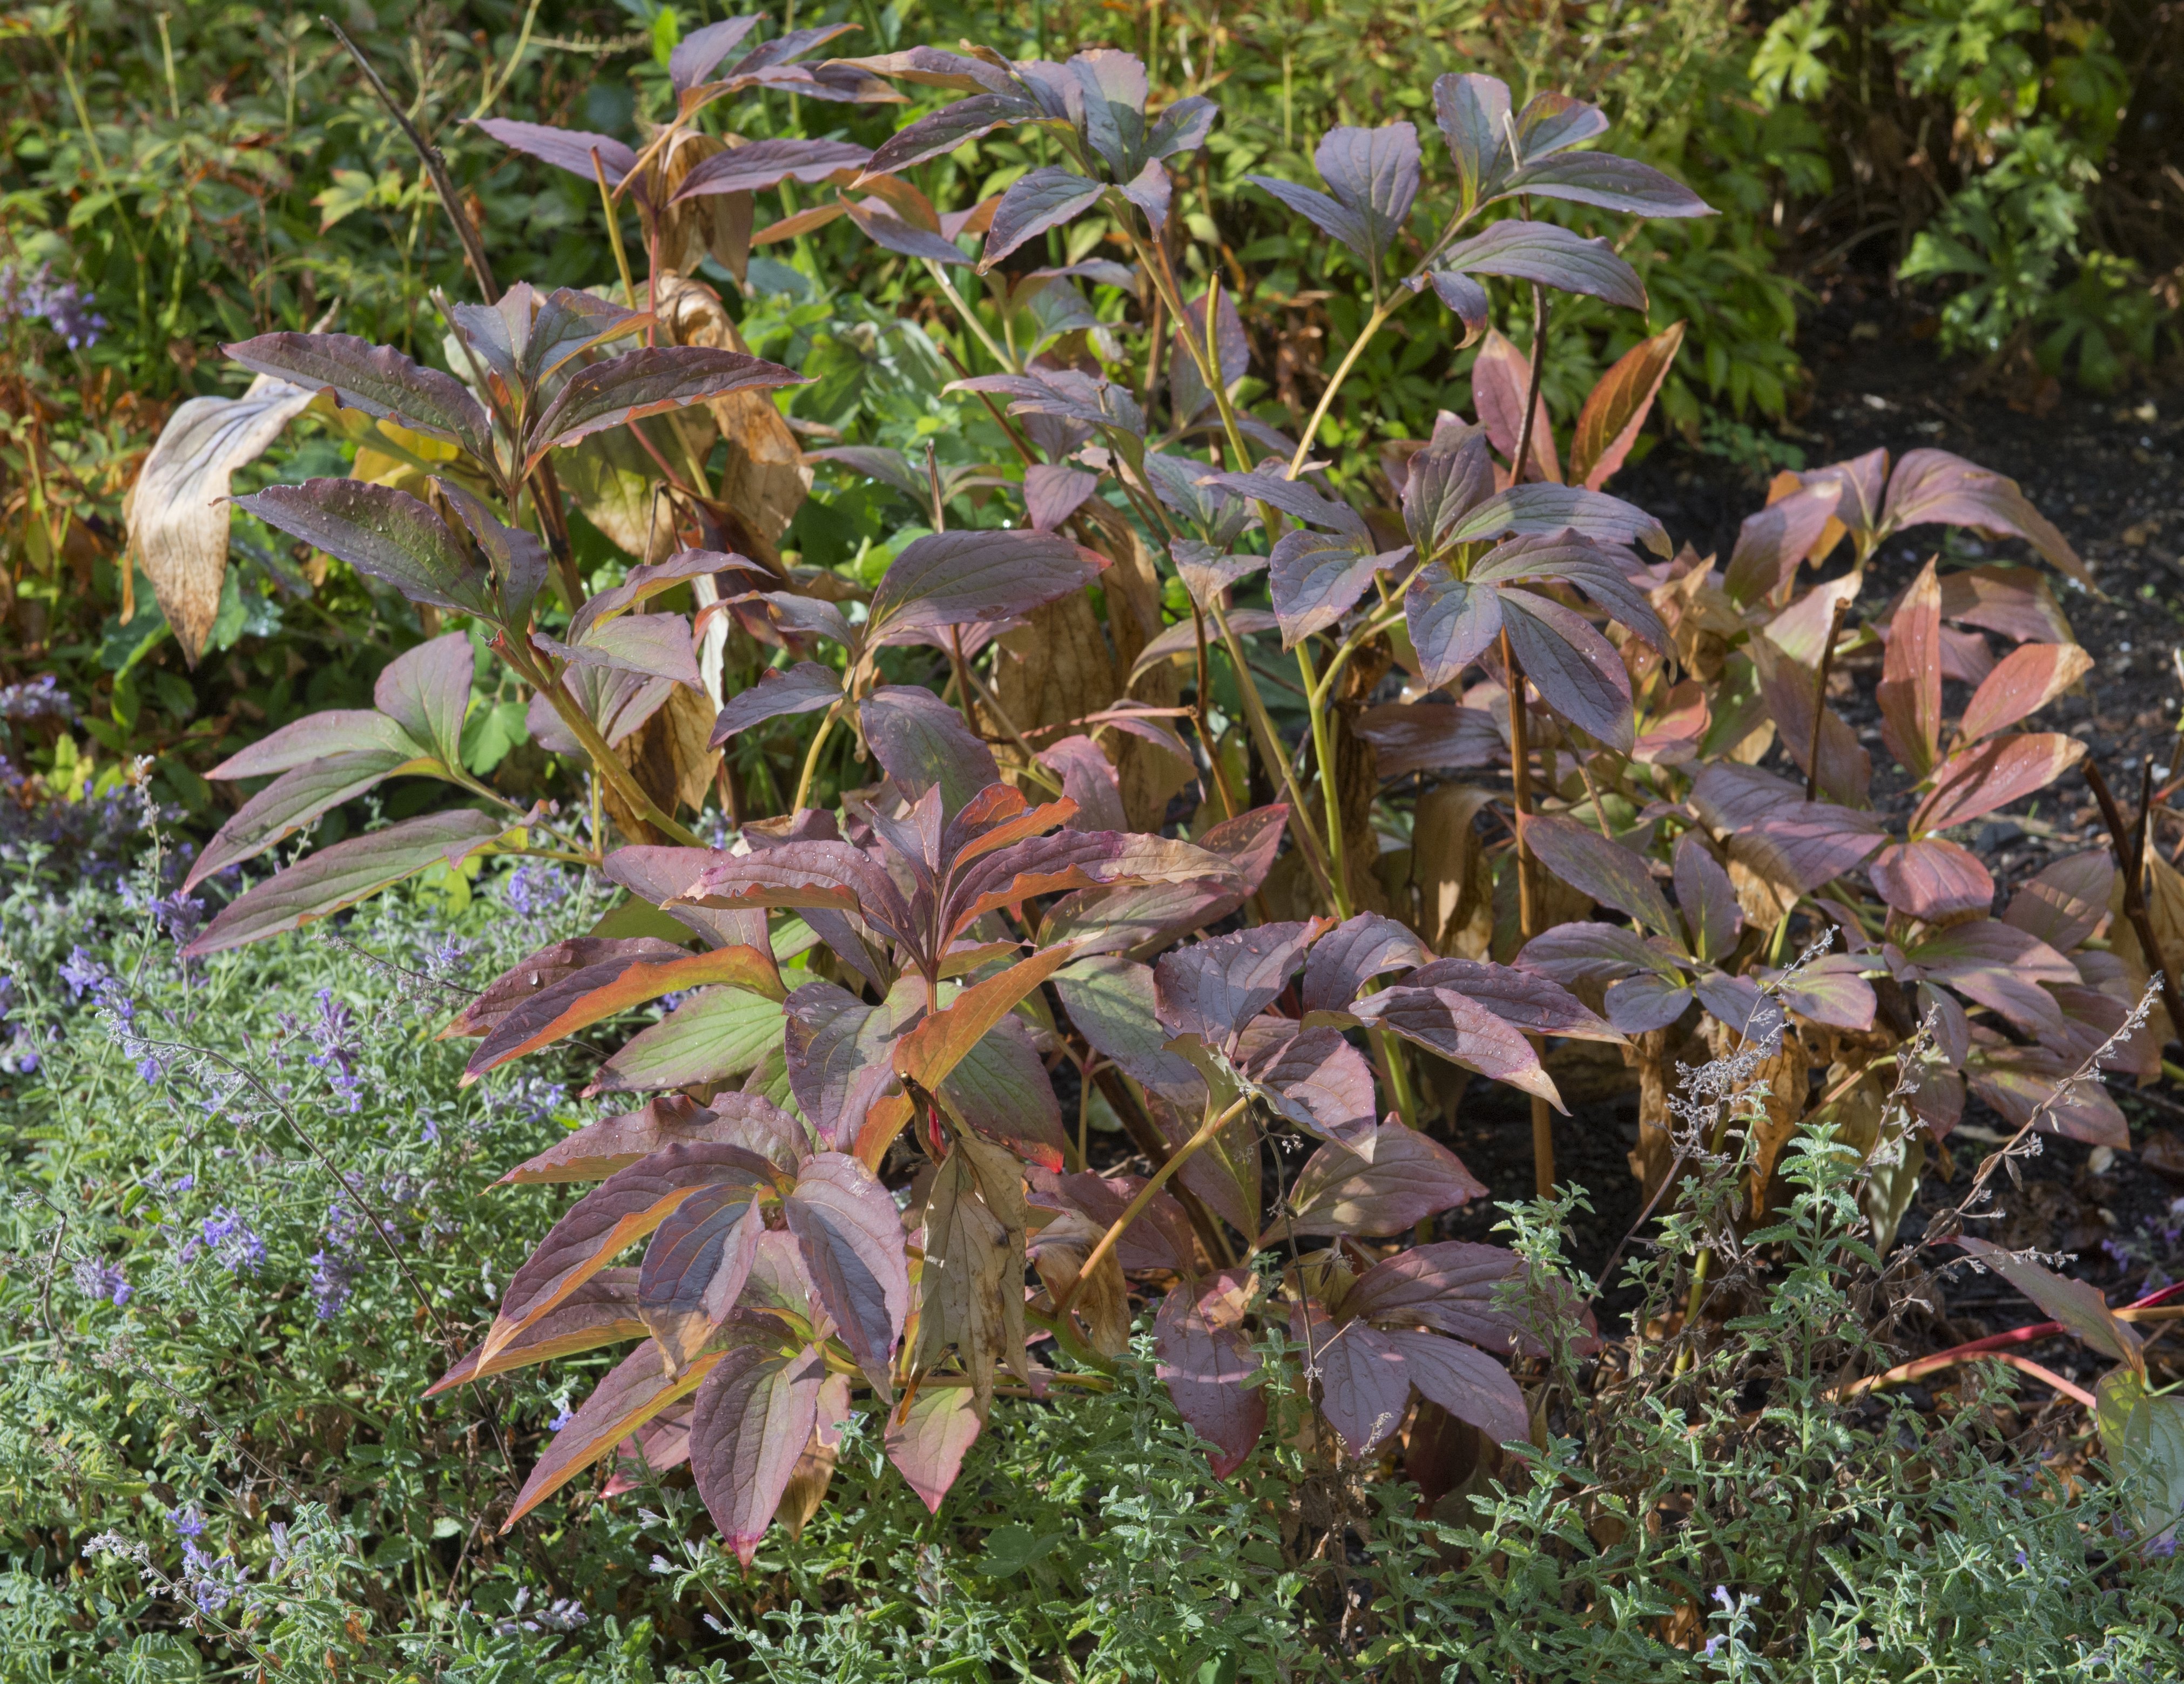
(346,873)
(376,379)
(300,798)
(1318,577)
(801,689)
(751,1420)
(1550,254)
(1603,179)
(762,164)
(695,1267)
(1612,874)
(1408,1177)
(640,383)
(1207,1362)
(382,532)
(1373,173)
(1212,988)
(1355,950)
(1577,670)
(569,149)
(850,1235)
(1043,198)
(954,578)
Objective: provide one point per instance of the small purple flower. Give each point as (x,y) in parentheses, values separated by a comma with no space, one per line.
(103,1281)
(561,1419)
(334,1268)
(149,1071)
(1713,1644)
(180,915)
(189,1522)
(335,1056)
(232,1240)
(1721,1596)
(82,973)
(64,306)
(535,888)
(39,698)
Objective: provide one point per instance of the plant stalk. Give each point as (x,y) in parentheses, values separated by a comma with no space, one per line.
(1543,1126)
(1212,1126)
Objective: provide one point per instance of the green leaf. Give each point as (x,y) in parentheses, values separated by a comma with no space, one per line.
(717,1033)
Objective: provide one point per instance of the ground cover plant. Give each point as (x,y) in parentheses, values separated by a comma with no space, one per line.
(1027,815)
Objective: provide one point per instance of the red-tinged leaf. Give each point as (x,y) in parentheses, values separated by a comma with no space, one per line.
(1593,865)
(954,578)
(715,1034)
(943,1039)
(948,128)
(1910,690)
(1554,256)
(928,1435)
(1933,487)
(1931,879)
(698,52)
(802,689)
(923,744)
(1468,1384)
(1975,781)
(376,379)
(2024,682)
(1473,114)
(2079,1305)
(546,967)
(426,691)
(1519,998)
(1079,859)
(1603,179)
(1143,919)
(1002,1092)
(2027,1085)
(1160,1238)
(1088,780)
(347,872)
(339,730)
(1318,577)
(598,1149)
(1214,988)
(1364,1382)
(1500,377)
(1616,407)
(298,798)
(1707,901)
(2066,902)
(1053,493)
(1040,199)
(619,1212)
(1462,1032)
(569,149)
(385,533)
(654,875)
(603,1311)
(634,1392)
(1586,951)
(2014,601)
(1571,559)
(1578,672)
(1110,1002)
(695,1267)
(1790,692)
(1647,1001)
(1347,955)
(1409,1177)
(655,645)
(1737,1002)
(640,585)
(1771,543)
(1466,302)
(1451,1286)
(1312,1076)
(604,991)
(824,875)
(1807,843)
(1828,991)
(648,383)
(1451,623)
(764,165)
(850,1236)
(752,1419)
(1430,736)
(1206,1363)
(1675,730)
(886,226)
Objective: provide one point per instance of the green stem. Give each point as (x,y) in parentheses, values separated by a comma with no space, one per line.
(1270,750)
(604,758)
(1373,323)
(971,318)
(1212,1126)
(1323,745)
(812,760)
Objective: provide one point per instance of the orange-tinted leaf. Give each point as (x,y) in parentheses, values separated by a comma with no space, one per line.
(1607,426)
(620,1211)
(2024,682)
(695,1267)
(942,1041)
(752,1419)
(602,991)
(1500,378)
(1978,780)
(2077,1304)
(598,1149)
(1932,878)
(546,967)
(634,1391)
(1910,689)
(1932,487)
(927,1435)
(603,1311)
